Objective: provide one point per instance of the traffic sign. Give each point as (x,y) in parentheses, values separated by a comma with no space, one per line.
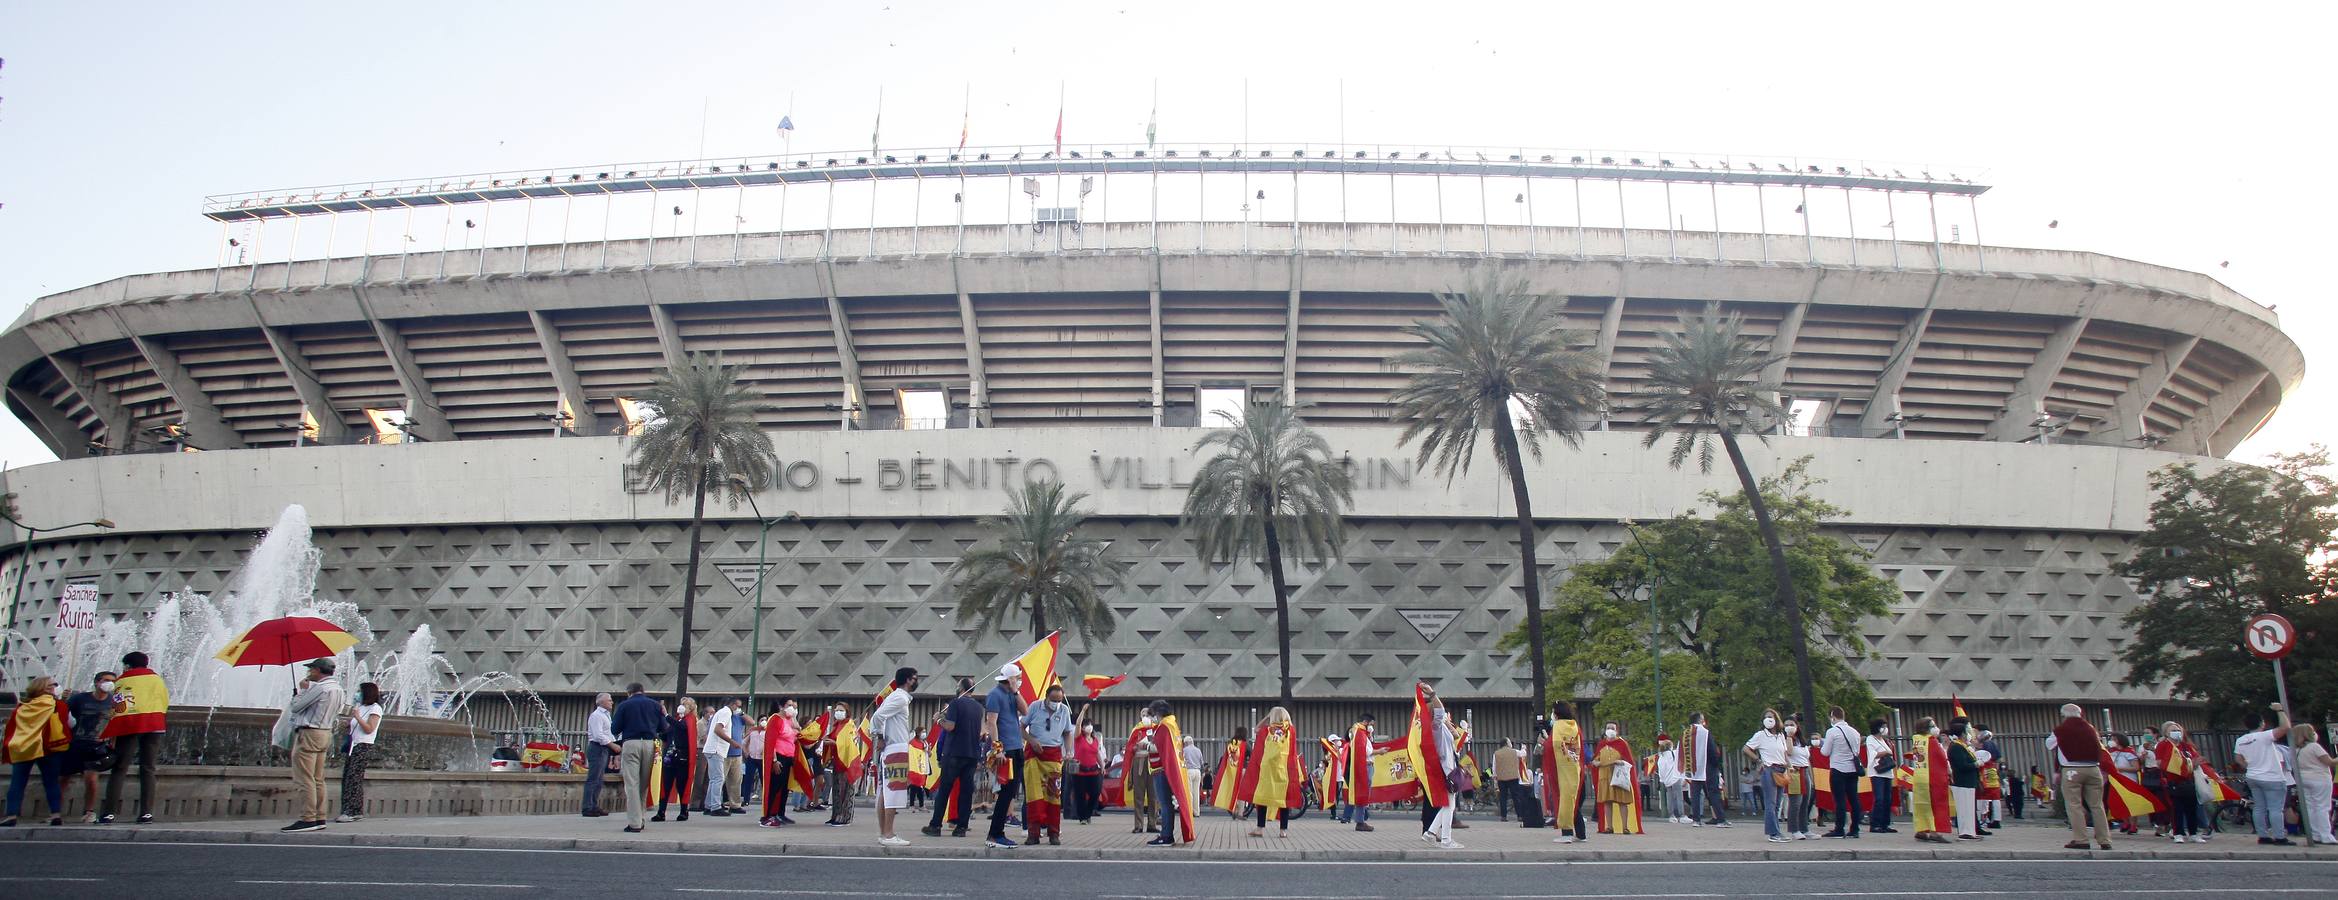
(2270,636)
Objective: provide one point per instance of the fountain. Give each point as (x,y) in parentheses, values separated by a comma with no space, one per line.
(185,631)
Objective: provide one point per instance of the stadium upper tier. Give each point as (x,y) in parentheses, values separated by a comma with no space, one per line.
(1121,324)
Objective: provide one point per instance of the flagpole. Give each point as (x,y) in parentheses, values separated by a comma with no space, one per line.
(875,156)
(1059,95)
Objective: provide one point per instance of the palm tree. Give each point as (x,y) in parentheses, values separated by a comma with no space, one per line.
(703,438)
(1499,351)
(1273,480)
(1705,381)
(1042,561)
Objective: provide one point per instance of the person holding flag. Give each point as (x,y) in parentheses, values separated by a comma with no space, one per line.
(779,763)
(1331,782)
(1964,781)
(1138,765)
(1700,766)
(1002,721)
(1430,746)
(1272,777)
(1225,785)
(955,734)
(2078,751)
(2125,798)
(1087,767)
(1357,773)
(1049,726)
(1169,782)
(1619,800)
(679,771)
(1929,800)
(1562,768)
(847,747)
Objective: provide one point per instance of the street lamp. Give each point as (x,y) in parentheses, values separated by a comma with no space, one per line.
(1655,650)
(762,570)
(24,556)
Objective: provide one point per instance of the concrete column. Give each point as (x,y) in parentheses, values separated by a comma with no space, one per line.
(50,424)
(1895,368)
(669,336)
(422,410)
(564,378)
(2022,405)
(1611,322)
(977,386)
(331,428)
(2241,419)
(110,412)
(2127,411)
(206,428)
(1291,336)
(847,360)
(1153,302)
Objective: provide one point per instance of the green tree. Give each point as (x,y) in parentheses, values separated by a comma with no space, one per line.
(1499,350)
(1271,482)
(1716,621)
(703,438)
(2223,545)
(1704,383)
(1041,562)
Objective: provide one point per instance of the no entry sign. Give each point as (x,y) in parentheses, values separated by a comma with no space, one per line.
(2270,636)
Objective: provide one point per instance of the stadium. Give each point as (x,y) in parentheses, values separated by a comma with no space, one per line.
(453,418)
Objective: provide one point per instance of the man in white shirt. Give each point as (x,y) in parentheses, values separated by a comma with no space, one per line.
(2269,776)
(716,747)
(600,745)
(889,729)
(1767,748)
(1841,746)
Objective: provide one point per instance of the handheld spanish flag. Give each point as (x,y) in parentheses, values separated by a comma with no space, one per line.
(1956,707)
(1038,665)
(544,755)
(2219,791)
(1098,684)
(1822,788)
(2125,799)
(1421,749)
(1178,785)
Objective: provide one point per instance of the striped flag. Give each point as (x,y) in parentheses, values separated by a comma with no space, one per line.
(1956,707)
(2125,799)
(1038,665)
(1098,684)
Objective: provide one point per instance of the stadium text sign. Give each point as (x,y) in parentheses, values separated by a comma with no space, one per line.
(955,473)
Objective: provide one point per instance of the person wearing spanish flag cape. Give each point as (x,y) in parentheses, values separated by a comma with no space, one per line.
(846,748)
(1047,727)
(1329,782)
(1356,779)
(1138,765)
(1929,801)
(1619,795)
(678,770)
(1170,786)
(141,709)
(780,763)
(1225,781)
(1430,746)
(1273,776)
(1562,773)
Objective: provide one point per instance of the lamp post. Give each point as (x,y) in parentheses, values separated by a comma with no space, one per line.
(24,556)
(762,571)
(1655,650)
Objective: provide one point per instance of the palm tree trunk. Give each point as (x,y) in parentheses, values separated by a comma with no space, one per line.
(1787,596)
(690,588)
(1506,438)
(1038,623)
(1274,572)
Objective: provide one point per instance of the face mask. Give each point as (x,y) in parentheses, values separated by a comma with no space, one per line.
(790,712)
(1883,732)
(1935,731)
(106,686)
(57,690)
(1769,723)
(839,715)
(1790,729)
(2175,735)
(1611,732)
(1090,729)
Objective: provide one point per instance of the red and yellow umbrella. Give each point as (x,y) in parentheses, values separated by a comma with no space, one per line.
(285,641)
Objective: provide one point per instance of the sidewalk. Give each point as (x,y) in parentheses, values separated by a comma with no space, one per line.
(1314,837)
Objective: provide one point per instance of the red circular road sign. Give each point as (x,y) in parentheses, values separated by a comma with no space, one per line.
(2270,636)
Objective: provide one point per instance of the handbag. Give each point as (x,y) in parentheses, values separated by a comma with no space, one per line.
(1778,778)
(1622,779)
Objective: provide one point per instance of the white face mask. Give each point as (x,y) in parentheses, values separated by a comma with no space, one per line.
(1883,732)
(2176,735)
(105,686)
(1611,732)
(1769,723)
(1935,731)
(789,712)
(1790,729)
(838,715)
(1088,729)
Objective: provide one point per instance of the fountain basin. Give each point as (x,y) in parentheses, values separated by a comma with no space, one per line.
(238,736)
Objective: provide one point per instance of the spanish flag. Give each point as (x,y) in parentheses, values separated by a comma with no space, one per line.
(921,759)
(149,704)
(2219,791)
(851,747)
(1956,708)
(1038,665)
(1562,768)
(1273,777)
(1098,684)
(1224,788)
(1421,749)
(1822,784)
(2125,799)
(799,776)
(36,730)
(1178,786)
(543,755)
(1929,803)
(1327,788)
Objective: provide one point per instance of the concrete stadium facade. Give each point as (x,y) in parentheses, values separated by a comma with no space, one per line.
(537,554)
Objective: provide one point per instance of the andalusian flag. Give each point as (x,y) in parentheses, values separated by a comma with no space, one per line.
(1421,749)
(1038,665)
(1224,793)
(2124,798)
(1098,684)
(1823,790)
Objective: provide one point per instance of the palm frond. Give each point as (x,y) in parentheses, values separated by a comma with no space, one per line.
(1268,467)
(1495,343)
(1039,556)
(705,434)
(1703,379)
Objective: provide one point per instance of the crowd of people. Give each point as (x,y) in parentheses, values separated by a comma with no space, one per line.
(1003,743)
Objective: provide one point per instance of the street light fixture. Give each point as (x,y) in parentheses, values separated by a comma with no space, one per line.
(762,571)
(1655,650)
(24,556)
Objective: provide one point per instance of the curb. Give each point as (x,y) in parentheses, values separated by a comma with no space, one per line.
(70,834)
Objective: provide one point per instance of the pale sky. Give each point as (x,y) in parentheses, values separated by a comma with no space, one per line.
(2149,131)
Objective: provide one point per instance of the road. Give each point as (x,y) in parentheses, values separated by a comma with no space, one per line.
(40,869)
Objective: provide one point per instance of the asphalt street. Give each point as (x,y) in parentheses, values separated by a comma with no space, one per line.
(42,869)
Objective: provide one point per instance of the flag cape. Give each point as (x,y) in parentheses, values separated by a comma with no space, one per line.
(1038,665)
(37,729)
(1335,763)
(1378,771)
(689,766)
(1822,788)
(2125,799)
(799,777)
(1043,789)
(1178,786)
(2221,792)
(2175,759)
(1992,784)
(1273,777)
(921,759)
(1929,802)
(1692,759)
(1098,684)
(1421,750)
(1619,808)
(1562,771)
(2041,789)
(149,704)
(1226,787)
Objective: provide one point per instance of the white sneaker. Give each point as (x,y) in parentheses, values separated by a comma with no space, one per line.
(2178,838)
(1696,823)
(1802,835)
(1428,837)
(2199,839)
(1449,844)
(894,841)
(345,818)
(1563,839)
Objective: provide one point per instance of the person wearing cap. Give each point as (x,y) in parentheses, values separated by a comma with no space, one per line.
(1002,721)
(310,714)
